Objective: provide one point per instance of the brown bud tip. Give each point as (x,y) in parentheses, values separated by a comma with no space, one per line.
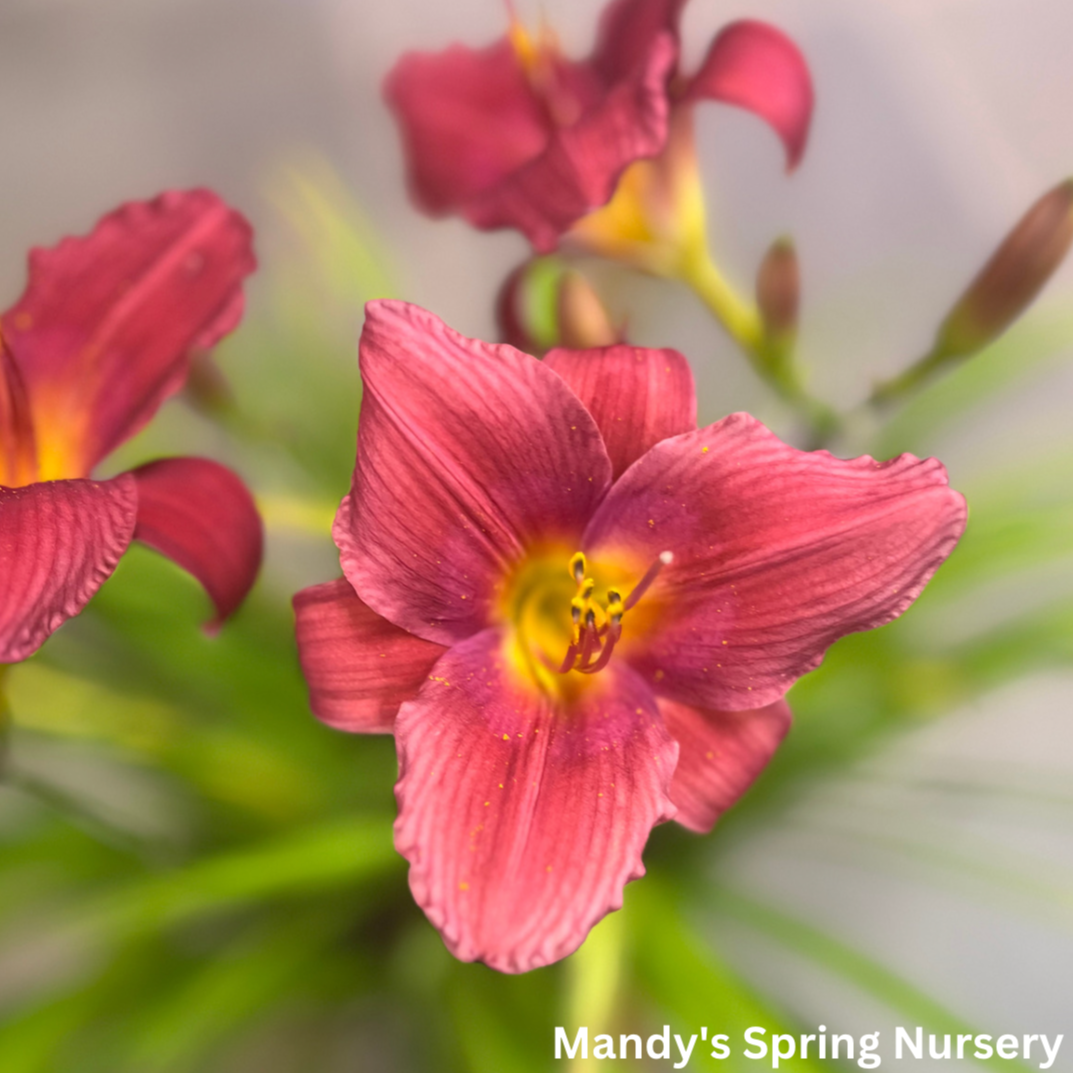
(1014,275)
(207,388)
(583,321)
(778,288)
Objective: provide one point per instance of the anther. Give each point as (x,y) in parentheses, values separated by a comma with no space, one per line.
(578,566)
(665,558)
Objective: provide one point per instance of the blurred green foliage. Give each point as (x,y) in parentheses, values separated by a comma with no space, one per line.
(197,876)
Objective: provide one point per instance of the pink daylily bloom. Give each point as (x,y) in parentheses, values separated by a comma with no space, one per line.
(579,614)
(516,135)
(100,337)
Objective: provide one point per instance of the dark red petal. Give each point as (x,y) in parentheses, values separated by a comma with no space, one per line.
(582,163)
(468,119)
(720,754)
(522,821)
(757,67)
(637,395)
(202,517)
(103,330)
(359,667)
(18,449)
(777,554)
(59,542)
(627,28)
(468,454)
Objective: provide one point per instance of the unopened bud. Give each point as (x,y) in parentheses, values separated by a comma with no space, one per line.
(207,388)
(543,304)
(1012,278)
(778,289)
(526,306)
(583,320)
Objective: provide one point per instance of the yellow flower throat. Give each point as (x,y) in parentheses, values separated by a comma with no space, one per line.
(567,623)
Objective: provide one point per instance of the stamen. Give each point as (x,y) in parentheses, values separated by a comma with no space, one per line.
(614,632)
(568,659)
(590,639)
(578,566)
(595,628)
(665,559)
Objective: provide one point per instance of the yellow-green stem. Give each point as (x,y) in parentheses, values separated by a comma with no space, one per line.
(738,316)
(771,358)
(595,978)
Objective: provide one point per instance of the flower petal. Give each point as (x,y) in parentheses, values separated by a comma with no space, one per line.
(359,667)
(468,119)
(720,754)
(59,542)
(777,553)
(582,163)
(757,67)
(18,449)
(523,821)
(468,454)
(202,517)
(626,30)
(102,332)
(637,395)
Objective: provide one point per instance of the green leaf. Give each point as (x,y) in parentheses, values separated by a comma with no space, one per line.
(852,965)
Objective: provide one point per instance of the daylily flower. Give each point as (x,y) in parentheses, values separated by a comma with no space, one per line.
(516,135)
(100,337)
(579,614)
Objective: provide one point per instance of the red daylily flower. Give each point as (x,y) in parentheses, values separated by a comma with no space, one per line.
(516,135)
(100,337)
(579,613)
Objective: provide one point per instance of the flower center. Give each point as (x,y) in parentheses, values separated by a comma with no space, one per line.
(566,623)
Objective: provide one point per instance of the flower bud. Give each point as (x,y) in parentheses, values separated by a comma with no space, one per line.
(207,388)
(543,304)
(583,320)
(526,312)
(1012,278)
(778,289)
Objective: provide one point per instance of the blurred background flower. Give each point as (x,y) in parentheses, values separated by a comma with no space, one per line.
(203,878)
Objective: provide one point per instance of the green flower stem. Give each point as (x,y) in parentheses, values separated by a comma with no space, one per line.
(771,357)
(594,982)
(899,388)
(738,316)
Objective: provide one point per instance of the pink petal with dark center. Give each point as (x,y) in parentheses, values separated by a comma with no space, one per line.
(720,754)
(521,821)
(627,29)
(777,554)
(202,517)
(59,542)
(103,330)
(754,66)
(468,455)
(469,118)
(637,395)
(582,163)
(358,666)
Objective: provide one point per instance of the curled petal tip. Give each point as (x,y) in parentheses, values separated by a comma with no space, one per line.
(201,516)
(755,66)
